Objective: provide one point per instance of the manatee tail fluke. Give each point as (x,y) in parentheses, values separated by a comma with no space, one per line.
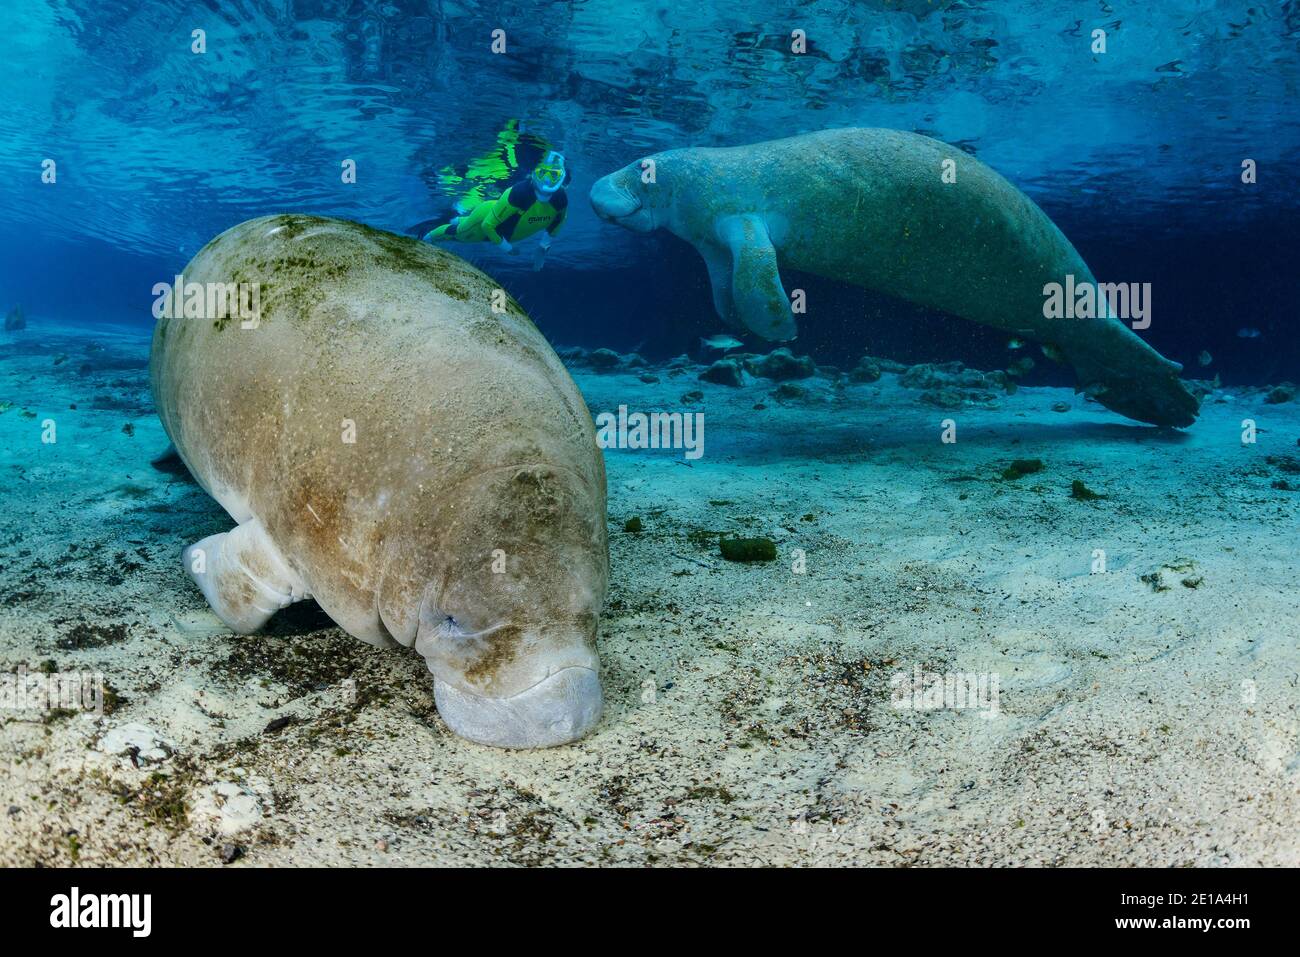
(1151,392)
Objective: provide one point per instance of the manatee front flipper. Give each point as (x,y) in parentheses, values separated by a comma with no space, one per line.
(756,291)
(243,576)
(718,260)
(170,461)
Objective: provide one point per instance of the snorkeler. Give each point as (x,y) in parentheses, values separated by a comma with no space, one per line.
(537,204)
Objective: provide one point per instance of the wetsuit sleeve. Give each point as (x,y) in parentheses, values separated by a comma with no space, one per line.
(561,203)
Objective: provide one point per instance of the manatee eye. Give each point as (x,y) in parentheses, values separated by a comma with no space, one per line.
(459,629)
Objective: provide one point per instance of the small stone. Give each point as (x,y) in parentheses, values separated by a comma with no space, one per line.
(226,808)
(634,525)
(788,390)
(921,376)
(867,370)
(142,744)
(1082,492)
(1282,393)
(944,398)
(724,372)
(695,395)
(780,365)
(747,549)
(278,724)
(649,379)
(1022,467)
(572,355)
(603,360)
(231,853)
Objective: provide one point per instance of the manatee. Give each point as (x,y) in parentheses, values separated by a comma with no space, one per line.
(389,445)
(871,207)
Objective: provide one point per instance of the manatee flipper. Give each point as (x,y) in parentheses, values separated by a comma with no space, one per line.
(163,459)
(170,461)
(243,576)
(756,290)
(718,260)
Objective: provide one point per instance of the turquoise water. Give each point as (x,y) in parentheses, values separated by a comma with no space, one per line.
(1136,152)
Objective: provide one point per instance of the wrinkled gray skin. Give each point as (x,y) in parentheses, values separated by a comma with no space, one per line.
(466,520)
(869,207)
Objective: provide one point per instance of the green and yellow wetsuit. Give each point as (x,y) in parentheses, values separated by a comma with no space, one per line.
(517,214)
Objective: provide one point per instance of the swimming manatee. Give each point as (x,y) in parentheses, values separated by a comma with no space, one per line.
(388,444)
(874,208)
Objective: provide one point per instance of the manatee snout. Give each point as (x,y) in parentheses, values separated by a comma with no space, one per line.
(615,199)
(559,709)
(514,687)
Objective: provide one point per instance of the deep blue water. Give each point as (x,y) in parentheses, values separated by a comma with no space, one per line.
(1136,152)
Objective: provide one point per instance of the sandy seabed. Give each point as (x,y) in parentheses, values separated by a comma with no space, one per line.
(1146,714)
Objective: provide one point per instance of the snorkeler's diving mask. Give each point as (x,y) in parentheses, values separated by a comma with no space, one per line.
(549,173)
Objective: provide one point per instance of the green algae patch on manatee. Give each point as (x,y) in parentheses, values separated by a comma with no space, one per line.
(747,549)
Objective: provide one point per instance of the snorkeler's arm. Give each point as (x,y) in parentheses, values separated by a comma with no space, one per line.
(561,203)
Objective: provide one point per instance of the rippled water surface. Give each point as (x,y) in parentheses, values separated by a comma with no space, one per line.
(158,147)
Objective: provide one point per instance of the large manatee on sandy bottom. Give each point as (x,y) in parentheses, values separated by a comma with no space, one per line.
(389,445)
(872,207)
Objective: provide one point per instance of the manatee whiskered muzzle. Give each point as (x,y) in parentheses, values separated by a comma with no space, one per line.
(559,709)
(512,687)
(617,204)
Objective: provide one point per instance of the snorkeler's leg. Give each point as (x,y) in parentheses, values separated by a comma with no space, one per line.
(243,576)
(464,229)
(445,231)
